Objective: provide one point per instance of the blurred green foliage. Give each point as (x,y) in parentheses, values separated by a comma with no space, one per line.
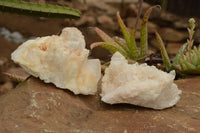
(39,10)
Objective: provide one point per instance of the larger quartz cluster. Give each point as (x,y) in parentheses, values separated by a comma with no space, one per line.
(140,85)
(62,60)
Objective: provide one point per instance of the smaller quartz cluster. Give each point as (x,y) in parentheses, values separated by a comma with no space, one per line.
(140,85)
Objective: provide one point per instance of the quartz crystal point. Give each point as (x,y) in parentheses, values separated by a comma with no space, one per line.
(61,60)
(140,85)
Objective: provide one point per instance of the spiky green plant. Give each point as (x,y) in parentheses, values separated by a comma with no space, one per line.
(187,60)
(39,10)
(128,50)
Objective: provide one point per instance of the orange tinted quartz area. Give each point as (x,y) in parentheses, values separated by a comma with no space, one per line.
(66,49)
(43,47)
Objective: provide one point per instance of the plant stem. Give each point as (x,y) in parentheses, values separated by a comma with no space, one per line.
(191,32)
(190,45)
(138,14)
(190,36)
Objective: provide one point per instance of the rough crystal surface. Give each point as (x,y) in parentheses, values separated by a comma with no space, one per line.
(62,60)
(140,85)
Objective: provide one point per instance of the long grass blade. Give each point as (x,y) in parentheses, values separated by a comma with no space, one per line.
(105,37)
(124,30)
(164,54)
(133,48)
(110,47)
(122,45)
(130,39)
(111,42)
(144,33)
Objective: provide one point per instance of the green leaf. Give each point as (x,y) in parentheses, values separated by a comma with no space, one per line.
(194,58)
(189,65)
(197,54)
(124,30)
(123,46)
(39,10)
(144,34)
(105,37)
(179,54)
(130,43)
(187,56)
(110,47)
(183,66)
(164,54)
(111,43)
(133,47)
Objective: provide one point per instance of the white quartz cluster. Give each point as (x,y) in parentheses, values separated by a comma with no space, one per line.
(62,60)
(140,85)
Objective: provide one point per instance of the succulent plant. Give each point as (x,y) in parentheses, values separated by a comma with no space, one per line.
(39,10)
(129,49)
(187,60)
